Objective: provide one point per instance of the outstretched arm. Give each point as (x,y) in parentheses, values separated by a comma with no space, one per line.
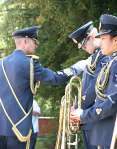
(77,68)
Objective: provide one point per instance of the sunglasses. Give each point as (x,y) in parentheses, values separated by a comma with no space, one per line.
(80,44)
(83,42)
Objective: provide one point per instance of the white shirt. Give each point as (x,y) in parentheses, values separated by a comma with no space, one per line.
(76,68)
(81,65)
(35,124)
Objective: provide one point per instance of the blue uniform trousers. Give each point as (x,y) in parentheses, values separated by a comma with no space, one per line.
(86,135)
(33,140)
(11,143)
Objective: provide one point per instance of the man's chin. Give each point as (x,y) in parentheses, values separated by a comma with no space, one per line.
(32,52)
(105,53)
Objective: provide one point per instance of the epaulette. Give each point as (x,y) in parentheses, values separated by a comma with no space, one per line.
(33,56)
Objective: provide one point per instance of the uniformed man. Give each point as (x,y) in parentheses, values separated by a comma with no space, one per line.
(19,73)
(80,37)
(85,38)
(103,112)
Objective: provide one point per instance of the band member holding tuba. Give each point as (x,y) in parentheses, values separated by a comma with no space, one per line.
(103,113)
(85,38)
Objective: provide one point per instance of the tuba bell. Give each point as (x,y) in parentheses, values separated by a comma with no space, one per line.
(68,133)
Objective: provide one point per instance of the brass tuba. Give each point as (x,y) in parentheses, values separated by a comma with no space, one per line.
(67,132)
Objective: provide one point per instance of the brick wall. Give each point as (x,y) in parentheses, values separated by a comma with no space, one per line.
(47,125)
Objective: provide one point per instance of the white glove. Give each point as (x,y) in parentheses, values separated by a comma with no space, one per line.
(68,72)
(78,112)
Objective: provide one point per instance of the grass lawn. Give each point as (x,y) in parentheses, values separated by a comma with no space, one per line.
(48,143)
(39,145)
(44,143)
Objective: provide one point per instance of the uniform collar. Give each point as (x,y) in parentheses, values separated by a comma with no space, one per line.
(19,51)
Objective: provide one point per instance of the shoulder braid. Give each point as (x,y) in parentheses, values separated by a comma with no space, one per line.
(102,84)
(93,63)
(33,86)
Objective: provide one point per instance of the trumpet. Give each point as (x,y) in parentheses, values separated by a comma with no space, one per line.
(68,132)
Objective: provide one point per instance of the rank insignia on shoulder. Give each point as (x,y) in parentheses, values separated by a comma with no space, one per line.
(33,56)
(98,111)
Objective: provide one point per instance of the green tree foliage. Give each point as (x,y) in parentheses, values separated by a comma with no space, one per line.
(58,18)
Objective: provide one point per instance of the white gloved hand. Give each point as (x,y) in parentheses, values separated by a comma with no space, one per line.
(68,72)
(78,112)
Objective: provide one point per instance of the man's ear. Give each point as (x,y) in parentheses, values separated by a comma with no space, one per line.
(116,39)
(25,40)
(115,42)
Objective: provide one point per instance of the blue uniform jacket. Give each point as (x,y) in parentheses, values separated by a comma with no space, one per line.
(17,67)
(103,112)
(88,83)
(89,80)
